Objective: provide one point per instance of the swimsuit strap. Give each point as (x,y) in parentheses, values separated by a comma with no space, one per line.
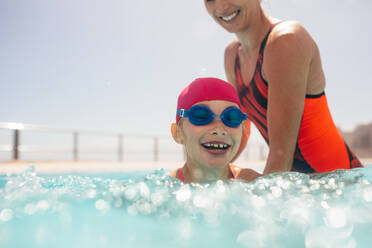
(262,46)
(238,75)
(263,43)
(180,175)
(235,170)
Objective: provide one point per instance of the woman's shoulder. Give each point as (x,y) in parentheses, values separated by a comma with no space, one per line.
(292,39)
(289,33)
(288,27)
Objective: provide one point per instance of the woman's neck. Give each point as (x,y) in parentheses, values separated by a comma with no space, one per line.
(252,36)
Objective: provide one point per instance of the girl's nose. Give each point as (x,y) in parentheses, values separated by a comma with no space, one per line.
(218,127)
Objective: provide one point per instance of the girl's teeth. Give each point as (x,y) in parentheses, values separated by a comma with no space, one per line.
(216,146)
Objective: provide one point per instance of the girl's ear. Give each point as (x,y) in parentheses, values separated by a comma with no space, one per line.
(177,133)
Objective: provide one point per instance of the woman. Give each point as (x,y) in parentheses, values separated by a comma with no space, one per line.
(276,68)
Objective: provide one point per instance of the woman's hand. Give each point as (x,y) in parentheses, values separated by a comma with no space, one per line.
(248,174)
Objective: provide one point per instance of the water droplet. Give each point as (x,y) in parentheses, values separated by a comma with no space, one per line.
(367,195)
(144,190)
(184,193)
(276,191)
(258,201)
(200,201)
(338,192)
(145,208)
(314,186)
(30,209)
(43,205)
(130,193)
(157,198)
(92,194)
(6,214)
(335,218)
(132,210)
(324,204)
(101,205)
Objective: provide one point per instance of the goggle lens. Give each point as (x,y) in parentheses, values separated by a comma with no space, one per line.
(199,115)
(233,116)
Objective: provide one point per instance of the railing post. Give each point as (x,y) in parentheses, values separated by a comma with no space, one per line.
(156,149)
(16,144)
(120,148)
(76,146)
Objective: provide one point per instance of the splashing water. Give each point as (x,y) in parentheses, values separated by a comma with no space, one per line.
(154,210)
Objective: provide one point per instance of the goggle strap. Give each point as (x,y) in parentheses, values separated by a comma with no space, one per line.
(181,112)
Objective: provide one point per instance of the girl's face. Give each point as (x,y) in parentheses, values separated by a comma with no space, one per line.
(232,15)
(213,145)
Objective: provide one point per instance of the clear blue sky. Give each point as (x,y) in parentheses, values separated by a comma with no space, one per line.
(120,64)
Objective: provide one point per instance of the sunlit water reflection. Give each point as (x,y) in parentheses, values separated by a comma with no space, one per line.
(154,210)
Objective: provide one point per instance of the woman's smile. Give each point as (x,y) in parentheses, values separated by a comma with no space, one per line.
(228,18)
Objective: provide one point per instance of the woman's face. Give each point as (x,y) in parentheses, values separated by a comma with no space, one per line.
(213,145)
(232,15)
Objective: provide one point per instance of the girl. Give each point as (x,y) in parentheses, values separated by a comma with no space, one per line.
(209,126)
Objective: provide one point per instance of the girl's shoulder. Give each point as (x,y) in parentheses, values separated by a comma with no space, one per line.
(173,173)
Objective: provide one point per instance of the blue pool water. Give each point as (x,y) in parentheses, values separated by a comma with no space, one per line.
(154,210)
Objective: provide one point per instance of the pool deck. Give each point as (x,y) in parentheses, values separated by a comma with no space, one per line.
(56,167)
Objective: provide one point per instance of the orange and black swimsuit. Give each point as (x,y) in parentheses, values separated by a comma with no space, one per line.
(320,147)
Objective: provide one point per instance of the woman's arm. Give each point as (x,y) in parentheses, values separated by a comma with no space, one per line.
(231,52)
(287,60)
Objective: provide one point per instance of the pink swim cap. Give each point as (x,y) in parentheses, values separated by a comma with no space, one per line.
(206,89)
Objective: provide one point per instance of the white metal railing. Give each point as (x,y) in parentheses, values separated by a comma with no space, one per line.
(78,143)
(17,129)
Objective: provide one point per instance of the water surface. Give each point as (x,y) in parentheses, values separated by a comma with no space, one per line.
(153,210)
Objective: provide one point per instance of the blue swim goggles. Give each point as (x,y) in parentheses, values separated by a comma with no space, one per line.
(202,115)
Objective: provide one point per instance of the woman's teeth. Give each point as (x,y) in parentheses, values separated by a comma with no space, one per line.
(230,17)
